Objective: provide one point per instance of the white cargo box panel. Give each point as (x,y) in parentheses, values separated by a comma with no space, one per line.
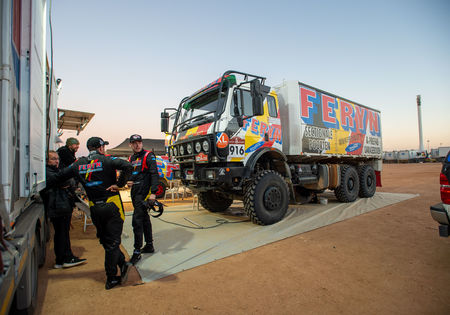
(318,123)
(33,154)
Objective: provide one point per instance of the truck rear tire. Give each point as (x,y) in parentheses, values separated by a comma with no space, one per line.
(348,189)
(266,198)
(214,202)
(367,181)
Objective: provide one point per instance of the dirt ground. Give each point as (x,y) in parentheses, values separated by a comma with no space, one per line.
(391,260)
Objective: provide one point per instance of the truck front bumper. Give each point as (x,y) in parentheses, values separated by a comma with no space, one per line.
(226,176)
(440,214)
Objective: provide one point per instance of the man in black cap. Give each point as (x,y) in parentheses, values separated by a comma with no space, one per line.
(144,184)
(97,173)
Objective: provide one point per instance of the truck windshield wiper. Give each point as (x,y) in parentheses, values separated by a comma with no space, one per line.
(196,121)
(201,120)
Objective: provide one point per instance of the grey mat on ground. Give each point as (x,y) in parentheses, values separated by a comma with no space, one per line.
(179,248)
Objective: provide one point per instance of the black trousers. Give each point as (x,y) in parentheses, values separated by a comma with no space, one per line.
(141,222)
(61,238)
(107,218)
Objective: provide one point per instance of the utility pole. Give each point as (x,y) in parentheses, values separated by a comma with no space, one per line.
(419,113)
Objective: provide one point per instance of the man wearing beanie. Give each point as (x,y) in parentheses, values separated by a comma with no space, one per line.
(67,152)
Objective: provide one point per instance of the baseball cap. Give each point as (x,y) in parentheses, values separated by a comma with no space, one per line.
(135,138)
(95,142)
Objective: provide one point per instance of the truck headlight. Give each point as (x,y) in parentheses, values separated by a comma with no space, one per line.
(205,146)
(198,147)
(189,148)
(181,150)
(175,151)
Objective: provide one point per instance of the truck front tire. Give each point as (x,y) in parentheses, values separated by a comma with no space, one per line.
(367,181)
(348,189)
(214,202)
(266,198)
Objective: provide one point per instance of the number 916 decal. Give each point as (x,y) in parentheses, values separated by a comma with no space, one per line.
(236,148)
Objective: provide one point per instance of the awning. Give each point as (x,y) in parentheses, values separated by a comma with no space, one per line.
(73,120)
(124,150)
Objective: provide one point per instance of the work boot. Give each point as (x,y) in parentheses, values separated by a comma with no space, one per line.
(135,258)
(124,272)
(112,281)
(148,249)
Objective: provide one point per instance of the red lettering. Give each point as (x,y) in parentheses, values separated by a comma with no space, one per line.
(264,128)
(255,124)
(306,104)
(277,135)
(327,110)
(346,115)
(360,118)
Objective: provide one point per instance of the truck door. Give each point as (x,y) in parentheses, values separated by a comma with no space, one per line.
(257,131)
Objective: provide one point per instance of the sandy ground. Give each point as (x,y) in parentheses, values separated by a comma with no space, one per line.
(391,260)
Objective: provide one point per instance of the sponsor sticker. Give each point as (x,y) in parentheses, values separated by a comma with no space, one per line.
(222,140)
(201,158)
(237,148)
(353,147)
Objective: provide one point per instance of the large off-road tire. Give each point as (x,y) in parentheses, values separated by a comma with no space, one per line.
(266,198)
(367,181)
(162,186)
(214,202)
(348,189)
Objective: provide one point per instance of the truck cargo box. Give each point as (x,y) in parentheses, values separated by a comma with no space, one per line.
(318,123)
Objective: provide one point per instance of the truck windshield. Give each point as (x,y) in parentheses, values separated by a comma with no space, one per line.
(199,110)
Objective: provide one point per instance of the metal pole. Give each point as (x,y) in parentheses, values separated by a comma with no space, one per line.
(419,114)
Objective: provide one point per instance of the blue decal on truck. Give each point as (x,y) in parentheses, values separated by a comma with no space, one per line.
(353,147)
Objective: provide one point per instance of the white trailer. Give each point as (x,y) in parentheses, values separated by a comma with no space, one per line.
(28,128)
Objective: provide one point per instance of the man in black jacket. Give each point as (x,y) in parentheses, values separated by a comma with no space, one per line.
(59,209)
(67,153)
(97,173)
(144,184)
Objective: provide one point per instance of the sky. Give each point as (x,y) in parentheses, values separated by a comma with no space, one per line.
(126,61)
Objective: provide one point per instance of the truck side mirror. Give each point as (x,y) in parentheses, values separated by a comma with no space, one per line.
(164,122)
(256,90)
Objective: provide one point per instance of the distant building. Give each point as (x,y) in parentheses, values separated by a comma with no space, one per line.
(124,150)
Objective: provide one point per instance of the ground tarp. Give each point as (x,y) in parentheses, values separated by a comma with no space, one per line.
(207,238)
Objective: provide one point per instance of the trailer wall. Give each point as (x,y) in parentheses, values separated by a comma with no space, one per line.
(316,122)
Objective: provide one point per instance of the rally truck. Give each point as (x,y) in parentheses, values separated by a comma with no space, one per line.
(239,139)
(29,124)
